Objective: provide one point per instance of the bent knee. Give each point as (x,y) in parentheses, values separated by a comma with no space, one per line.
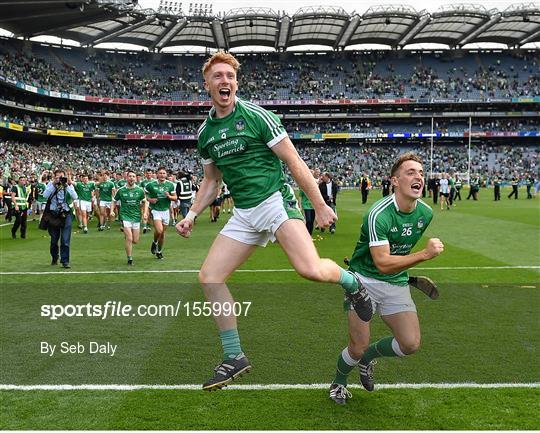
(410,346)
(208,278)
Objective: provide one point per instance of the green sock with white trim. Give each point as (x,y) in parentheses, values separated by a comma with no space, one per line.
(345,364)
(387,346)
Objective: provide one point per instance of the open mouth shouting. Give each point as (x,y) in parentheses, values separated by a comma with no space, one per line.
(417,187)
(224,94)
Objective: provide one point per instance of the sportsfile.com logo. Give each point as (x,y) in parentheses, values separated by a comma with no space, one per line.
(119,309)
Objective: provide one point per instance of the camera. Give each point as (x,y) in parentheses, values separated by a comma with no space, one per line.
(63,180)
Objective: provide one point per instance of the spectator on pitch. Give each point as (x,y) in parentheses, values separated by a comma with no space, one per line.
(386,185)
(496,189)
(444,188)
(8,202)
(530,183)
(436,188)
(329,190)
(364,187)
(458,185)
(62,195)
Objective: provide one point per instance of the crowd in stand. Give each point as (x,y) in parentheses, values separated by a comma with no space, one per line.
(334,76)
(94,125)
(347,163)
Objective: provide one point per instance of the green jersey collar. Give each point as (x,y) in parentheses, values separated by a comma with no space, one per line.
(212,111)
(397,207)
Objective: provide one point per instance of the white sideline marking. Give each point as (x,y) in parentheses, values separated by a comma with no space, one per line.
(194,271)
(267,387)
(6,224)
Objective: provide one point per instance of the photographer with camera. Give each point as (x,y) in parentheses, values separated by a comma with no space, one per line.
(61,193)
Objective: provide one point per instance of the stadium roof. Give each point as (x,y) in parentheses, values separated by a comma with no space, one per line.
(92,22)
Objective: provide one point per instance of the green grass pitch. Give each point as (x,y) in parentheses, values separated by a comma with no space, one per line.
(483,329)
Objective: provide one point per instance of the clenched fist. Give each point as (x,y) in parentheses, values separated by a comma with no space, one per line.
(184,227)
(325,216)
(434,247)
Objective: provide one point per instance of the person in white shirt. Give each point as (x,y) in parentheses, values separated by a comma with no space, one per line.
(444,191)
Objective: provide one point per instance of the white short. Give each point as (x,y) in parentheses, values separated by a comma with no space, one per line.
(258,225)
(174,204)
(106,204)
(41,206)
(388,298)
(85,205)
(131,225)
(161,215)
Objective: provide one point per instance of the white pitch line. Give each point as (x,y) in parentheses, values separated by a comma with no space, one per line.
(261,387)
(6,224)
(194,271)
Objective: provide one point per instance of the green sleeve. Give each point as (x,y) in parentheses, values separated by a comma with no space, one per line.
(378,228)
(269,126)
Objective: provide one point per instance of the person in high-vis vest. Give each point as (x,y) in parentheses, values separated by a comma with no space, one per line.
(20,195)
(184,191)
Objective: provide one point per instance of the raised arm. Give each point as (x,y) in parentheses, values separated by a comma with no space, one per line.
(286,151)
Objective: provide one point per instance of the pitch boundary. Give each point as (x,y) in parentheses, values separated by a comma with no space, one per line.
(194,271)
(260,387)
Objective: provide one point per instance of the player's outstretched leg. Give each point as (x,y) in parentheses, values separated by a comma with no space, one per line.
(224,257)
(298,245)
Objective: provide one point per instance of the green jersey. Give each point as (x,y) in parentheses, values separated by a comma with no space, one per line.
(105,190)
(120,183)
(157,190)
(240,146)
(84,190)
(145,182)
(306,204)
(40,190)
(130,203)
(385,224)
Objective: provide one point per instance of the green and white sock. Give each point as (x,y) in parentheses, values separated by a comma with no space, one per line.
(348,281)
(387,346)
(345,364)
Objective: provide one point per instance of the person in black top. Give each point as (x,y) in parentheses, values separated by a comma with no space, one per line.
(364,187)
(497,189)
(530,183)
(386,186)
(435,188)
(329,190)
